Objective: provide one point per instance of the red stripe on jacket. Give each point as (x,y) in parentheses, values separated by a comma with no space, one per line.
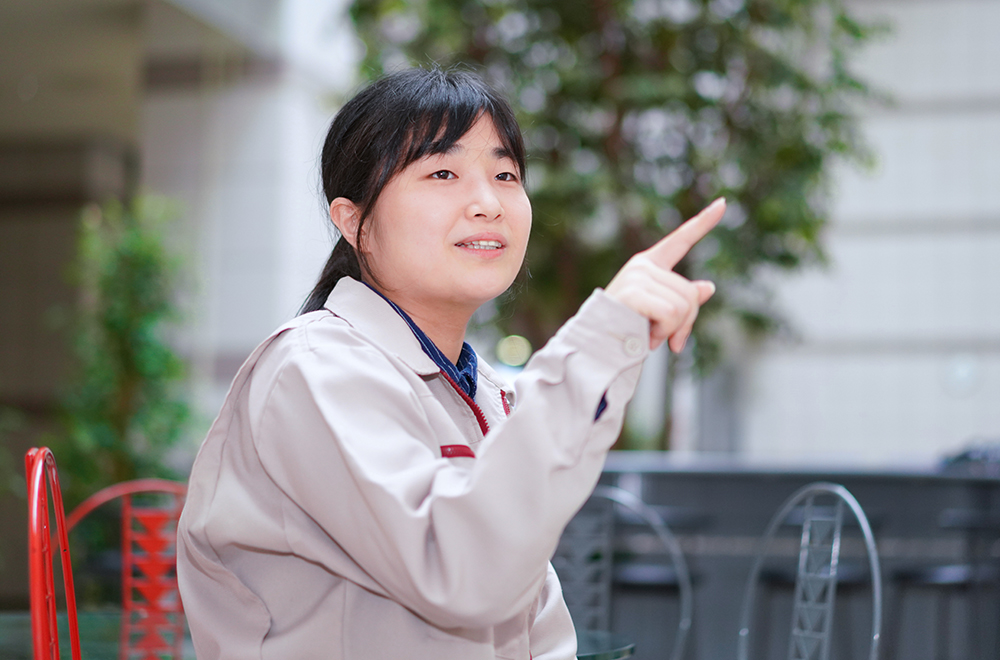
(457,451)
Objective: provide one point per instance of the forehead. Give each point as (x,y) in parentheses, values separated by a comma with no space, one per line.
(481,137)
(483,129)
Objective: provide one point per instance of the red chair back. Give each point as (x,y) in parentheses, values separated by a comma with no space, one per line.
(152,615)
(39,463)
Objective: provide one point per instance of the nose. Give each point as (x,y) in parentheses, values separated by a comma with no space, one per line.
(484,203)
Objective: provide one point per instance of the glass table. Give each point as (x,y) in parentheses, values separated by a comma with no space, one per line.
(98,635)
(602,645)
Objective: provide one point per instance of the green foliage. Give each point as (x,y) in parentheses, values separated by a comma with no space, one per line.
(124,407)
(637,113)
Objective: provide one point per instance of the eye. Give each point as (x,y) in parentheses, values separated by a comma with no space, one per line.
(443,174)
(507,176)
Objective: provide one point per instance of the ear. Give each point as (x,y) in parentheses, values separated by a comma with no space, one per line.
(346,217)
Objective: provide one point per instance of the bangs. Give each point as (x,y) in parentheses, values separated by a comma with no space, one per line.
(439,110)
(406,116)
(437,130)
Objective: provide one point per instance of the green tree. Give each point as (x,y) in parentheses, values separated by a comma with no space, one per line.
(124,408)
(639,112)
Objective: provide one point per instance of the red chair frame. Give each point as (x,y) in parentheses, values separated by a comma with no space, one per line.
(152,614)
(39,463)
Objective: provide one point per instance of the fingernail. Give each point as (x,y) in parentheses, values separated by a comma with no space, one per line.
(718,200)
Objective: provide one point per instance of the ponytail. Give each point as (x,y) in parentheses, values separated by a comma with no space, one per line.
(343,262)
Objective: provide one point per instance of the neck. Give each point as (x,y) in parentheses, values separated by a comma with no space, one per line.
(446,331)
(444,324)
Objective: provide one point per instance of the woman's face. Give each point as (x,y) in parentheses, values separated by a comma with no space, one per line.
(450,230)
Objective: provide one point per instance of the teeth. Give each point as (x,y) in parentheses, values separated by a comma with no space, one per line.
(482,245)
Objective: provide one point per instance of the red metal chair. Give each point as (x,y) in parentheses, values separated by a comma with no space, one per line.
(152,614)
(39,463)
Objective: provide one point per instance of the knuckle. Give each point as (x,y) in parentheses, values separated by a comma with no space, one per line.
(638,260)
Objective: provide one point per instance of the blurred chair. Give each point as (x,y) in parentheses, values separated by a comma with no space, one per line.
(39,463)
(968,580)
(817,572)
(853,580)
(584,561)
(152,624)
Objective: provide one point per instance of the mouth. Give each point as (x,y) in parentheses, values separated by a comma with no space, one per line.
(481,245)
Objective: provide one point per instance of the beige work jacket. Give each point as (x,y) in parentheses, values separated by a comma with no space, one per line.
(350,504)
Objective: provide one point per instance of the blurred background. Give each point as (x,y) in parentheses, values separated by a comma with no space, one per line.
(160,211)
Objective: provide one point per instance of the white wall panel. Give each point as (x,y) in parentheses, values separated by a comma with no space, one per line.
(871,407)
(241,161)
(930,167)
(937,52)
(906,287)
(305,236)
(214,151)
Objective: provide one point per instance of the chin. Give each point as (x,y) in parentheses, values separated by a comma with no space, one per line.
(482,295)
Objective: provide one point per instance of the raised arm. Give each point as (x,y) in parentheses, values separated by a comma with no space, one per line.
(344,432)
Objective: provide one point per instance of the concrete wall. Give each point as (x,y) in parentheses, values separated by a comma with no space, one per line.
(241,160)
(234,138)
(70,79)
(95,95)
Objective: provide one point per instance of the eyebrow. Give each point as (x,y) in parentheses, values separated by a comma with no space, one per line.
(503,152)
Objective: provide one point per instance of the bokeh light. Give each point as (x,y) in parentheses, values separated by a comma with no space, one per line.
(513,350)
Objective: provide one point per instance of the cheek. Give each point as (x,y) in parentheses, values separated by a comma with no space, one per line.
(382,249)
(402,248)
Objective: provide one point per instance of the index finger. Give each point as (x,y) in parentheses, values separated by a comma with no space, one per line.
(670,249)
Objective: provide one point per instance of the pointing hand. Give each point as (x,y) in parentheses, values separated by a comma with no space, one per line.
(648,284)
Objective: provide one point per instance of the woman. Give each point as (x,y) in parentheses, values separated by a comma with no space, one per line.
(370,489)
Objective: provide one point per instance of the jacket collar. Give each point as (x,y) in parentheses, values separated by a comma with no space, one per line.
(489,375)
(370,314)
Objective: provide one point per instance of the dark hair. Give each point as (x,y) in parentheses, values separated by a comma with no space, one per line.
(395,121)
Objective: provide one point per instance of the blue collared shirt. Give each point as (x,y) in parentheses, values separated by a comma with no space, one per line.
(464,373)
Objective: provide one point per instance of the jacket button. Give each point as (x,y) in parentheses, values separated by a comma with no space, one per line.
(633,346)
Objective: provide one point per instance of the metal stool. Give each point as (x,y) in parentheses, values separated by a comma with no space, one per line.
(853,579)
(584,561)
(817,575)
(947,583)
